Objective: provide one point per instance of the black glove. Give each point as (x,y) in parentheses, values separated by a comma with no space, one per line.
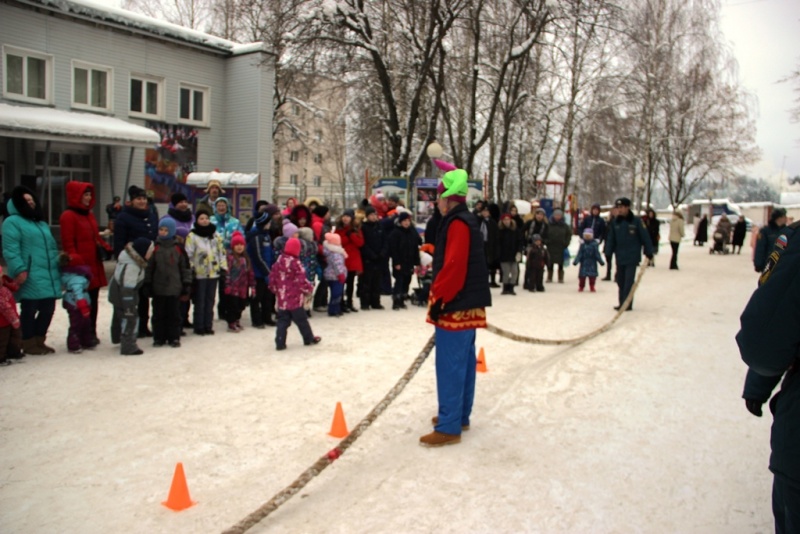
(436,309)
(754,406)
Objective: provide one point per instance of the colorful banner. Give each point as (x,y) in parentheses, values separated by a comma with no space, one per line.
(168,164)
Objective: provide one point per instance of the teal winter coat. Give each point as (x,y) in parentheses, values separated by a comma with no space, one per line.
(29,246)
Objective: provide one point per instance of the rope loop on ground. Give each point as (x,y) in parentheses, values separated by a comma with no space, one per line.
(575,340)
(335,453)
(331,456)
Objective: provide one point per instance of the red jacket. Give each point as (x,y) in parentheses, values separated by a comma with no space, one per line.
(79,232)
(352,241)
(8,306)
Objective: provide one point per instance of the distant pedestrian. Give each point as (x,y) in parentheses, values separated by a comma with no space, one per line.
(676,233)
(701,232)
(739,231)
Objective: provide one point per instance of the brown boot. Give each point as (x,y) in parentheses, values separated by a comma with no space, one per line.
(439,439)
(435,421)
(40,341)
(30,346)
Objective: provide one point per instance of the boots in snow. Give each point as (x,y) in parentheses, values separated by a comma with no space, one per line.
(560,276)
(439,439)
(30,346)
(40,341)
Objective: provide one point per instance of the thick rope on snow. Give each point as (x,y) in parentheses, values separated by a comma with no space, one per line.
(575,340)
(326,460)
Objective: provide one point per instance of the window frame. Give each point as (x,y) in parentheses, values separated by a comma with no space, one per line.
(318,158)
(294,156)
(206,91)
(49,73)
(317,180)
(90,67)
(294,179)
(161,85)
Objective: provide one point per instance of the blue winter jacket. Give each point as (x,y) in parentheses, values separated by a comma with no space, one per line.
(588,256)
(226,224)
(626,238)
(28,246)
(259,248)
(76,284)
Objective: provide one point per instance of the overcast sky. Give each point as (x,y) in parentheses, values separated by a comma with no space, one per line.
(765,38)
(765,35)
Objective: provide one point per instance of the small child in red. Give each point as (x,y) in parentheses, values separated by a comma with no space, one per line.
(10,333)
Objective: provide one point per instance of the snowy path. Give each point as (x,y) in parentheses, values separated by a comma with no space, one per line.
(639,430)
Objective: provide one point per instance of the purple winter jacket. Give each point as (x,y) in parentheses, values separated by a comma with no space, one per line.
(289,283)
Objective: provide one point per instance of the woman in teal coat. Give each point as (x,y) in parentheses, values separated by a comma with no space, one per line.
(32,261)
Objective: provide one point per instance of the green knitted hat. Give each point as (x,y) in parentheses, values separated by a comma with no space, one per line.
(455,183)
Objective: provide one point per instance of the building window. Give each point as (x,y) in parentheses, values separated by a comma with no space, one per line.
(194,104)
(292,179)
(318,135)
(28,75)
(146,96)
(317,158)
(91,86)
(294,155)
(62,167)
(317,181)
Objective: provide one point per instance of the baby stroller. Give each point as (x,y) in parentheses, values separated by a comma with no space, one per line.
(720,243)
(419,296)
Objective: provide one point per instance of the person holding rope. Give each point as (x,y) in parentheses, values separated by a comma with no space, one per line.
(626,238)
(458,299)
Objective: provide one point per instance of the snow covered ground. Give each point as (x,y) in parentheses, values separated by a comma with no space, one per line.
(639,430)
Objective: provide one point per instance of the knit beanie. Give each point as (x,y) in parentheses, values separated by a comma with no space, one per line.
(292,247)
(177,197)
(237,239)
(289,228)
(142,245)
(305,233)
(333,239)
(588,232)
(536,237)
(320,211)
(135,191)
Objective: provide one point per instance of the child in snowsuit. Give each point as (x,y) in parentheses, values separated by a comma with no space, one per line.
(588,256)
(538,258)
(123,294)
(75,277)
(10,333)
(424,272)
(240,283)
(335,271)
(168,278)
(289,283)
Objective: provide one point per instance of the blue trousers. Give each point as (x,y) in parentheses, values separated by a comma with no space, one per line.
(455,378)
(626,274)
(335,302)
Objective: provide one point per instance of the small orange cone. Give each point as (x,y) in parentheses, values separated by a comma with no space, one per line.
(339,426)
(481,364)
(179,492)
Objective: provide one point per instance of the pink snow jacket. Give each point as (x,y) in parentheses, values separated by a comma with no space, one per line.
(289,283)
(8,306)
(240,277)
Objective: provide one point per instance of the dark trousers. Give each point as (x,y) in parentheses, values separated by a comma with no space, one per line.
(35,316)
(297,316)
(204,303)
(10,342)
(185,306)
(144,310)
(785,506)
(124,326)
(335,303)
(233,308)
(386,278)
(609,266)
(402,279)
(370,286)
(221,303)
(350,288)
(167,320)
(673,263)
(626,274)
(263,305)
(534,277)
(321,294)
(94,294)
(79,333)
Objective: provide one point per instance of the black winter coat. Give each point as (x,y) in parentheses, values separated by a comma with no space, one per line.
(132,223)
(404,246)
(509,242)
(376,245)
(490,245)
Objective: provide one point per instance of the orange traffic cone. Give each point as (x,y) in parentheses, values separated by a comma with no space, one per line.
(481,364)
(179,492)
(339,426)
